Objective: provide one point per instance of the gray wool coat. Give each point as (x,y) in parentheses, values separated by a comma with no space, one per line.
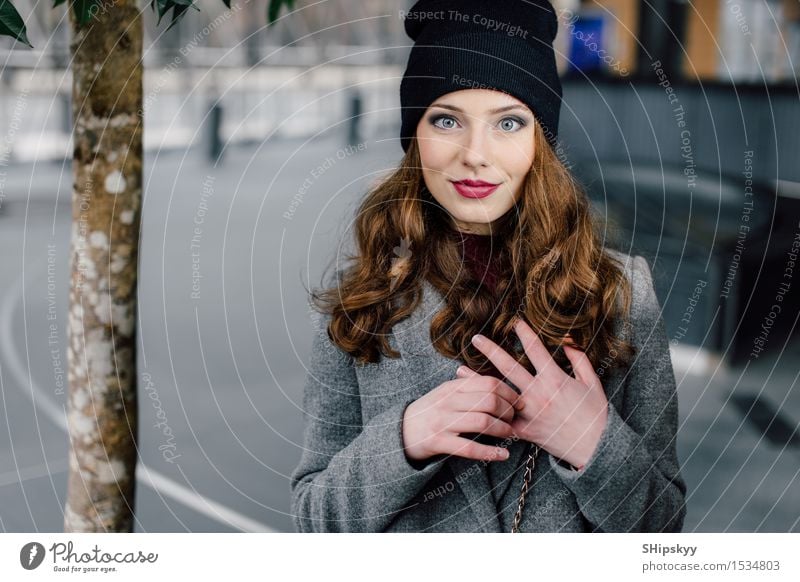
(354,475)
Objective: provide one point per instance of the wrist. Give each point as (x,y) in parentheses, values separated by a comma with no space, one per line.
(591,444)
(415,452)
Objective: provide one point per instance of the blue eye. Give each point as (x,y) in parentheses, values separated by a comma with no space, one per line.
(516,120)
(436,119)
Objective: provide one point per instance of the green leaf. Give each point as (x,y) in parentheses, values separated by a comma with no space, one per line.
(274,9)
(11,23)
(163,6)
(179,9)
(83,10)
(57,2)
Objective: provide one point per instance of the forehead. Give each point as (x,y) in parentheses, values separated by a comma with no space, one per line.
(479,101)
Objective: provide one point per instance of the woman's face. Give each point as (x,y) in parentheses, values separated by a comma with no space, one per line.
(478,135)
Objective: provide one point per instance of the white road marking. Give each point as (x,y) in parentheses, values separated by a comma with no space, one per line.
(695,360)
(144,474)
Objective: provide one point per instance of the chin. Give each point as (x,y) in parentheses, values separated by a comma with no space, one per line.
(478,217)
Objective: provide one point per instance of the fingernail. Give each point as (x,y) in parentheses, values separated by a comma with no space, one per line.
(477,339)
(460,370)
(503,454)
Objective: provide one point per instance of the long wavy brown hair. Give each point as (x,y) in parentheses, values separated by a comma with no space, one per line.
(553,272)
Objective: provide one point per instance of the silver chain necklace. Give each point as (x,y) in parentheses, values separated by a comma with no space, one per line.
(526,482)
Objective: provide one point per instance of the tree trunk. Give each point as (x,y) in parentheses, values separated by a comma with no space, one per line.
(106,201)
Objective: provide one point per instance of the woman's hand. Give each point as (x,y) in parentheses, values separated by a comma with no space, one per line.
(564,415)
(485,405)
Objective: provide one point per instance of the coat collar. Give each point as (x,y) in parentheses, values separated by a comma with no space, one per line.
(429,368)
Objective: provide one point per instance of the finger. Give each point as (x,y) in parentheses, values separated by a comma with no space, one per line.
(529,427)
(536,350)
(463,447)
(499,387)
(581,365)
(506,365)
(465,372)
(480,423)
(478,401)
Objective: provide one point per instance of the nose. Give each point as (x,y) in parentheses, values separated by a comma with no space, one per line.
(475,149)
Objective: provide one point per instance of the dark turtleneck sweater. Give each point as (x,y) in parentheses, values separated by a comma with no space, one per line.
(480,256)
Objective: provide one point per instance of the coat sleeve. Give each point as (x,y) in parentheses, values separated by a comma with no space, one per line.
(351,477)
(632,482)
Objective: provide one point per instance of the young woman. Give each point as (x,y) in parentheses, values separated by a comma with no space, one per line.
(484,364)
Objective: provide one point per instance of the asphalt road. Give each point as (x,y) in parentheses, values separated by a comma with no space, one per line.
(224,332)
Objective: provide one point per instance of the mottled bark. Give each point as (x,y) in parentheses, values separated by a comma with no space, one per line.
(106,202)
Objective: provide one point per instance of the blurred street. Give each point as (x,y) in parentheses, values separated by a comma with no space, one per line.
(224,332)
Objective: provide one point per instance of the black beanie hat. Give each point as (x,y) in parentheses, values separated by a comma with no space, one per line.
(506,45)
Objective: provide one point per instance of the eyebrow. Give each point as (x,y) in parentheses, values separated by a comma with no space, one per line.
(498,110)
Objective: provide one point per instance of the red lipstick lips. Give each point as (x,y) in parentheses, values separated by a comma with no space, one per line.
(474,188)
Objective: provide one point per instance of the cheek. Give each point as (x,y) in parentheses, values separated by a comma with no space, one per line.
(518,157)
(518,169)
(426,145)
(433,156)
(517,164)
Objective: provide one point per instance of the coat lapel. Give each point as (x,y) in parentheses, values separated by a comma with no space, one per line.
(425,366)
